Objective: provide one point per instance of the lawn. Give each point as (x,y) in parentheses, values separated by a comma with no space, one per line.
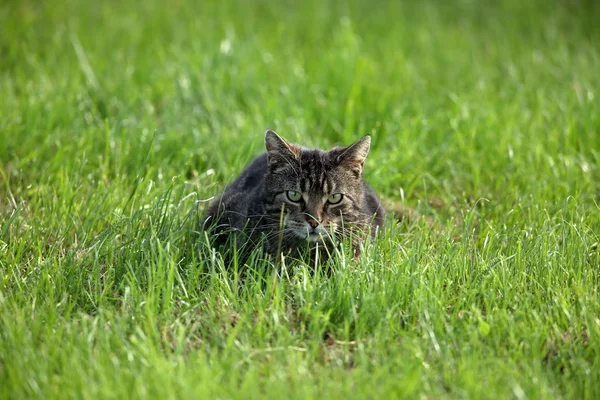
(120,120)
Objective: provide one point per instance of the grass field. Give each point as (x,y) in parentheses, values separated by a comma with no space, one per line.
(118,120)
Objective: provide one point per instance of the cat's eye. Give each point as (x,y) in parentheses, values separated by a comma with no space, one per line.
(294,196)
(335,198)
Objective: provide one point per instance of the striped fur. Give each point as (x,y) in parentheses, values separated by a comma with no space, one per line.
(260,206)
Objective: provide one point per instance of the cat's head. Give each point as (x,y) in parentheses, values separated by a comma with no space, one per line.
(315,193)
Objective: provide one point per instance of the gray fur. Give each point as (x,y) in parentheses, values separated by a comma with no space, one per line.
(256,209)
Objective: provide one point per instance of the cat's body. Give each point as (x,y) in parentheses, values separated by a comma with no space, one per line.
(290,199)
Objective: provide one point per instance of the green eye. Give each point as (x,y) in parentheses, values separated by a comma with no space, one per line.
(294,196)
(335,198)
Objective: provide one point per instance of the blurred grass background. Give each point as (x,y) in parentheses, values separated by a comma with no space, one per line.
(118,119)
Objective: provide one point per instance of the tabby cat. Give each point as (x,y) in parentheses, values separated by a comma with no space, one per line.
(291,198)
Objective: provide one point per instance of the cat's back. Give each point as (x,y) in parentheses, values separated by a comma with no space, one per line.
(251,178)
(372,206)
(242,195)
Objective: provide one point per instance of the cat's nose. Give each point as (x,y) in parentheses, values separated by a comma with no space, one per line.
(312,222)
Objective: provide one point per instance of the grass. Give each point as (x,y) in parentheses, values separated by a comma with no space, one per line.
(119,119)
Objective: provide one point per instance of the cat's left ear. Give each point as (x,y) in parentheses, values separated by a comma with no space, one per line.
(279,151)
(355,155)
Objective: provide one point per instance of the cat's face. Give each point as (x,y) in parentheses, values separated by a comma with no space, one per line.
(315,193)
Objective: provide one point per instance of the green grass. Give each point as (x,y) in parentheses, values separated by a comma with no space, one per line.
(119,119)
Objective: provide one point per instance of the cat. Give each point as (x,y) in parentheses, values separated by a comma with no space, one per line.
(290,199)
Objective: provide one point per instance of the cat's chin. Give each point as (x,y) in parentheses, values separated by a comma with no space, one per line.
(310,237)
(314,237)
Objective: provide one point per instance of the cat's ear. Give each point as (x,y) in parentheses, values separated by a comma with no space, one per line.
(278,149)
(354,156)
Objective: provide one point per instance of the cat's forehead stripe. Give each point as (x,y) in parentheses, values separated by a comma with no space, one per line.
(306,185)
(325,185)
(314,181)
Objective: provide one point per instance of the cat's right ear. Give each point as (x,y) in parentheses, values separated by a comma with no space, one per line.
(354,155)
(278,149)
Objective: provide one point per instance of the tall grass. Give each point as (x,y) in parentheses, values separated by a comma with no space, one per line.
(120,120)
